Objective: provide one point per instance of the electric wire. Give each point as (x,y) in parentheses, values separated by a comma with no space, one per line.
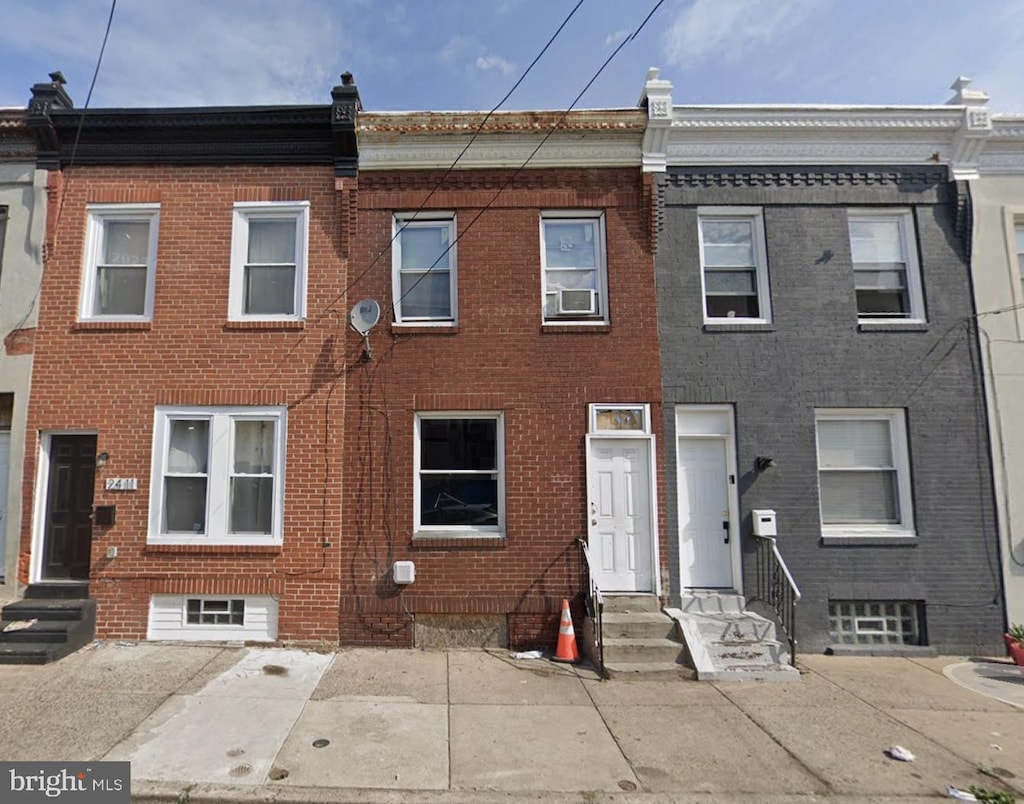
(515,174)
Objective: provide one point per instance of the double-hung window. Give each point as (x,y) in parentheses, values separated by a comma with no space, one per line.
(218,476)
(268,261)
(120,262)
(460,488)
(574,267)
(885,270)
(864,473)
(734,266)
(423,268)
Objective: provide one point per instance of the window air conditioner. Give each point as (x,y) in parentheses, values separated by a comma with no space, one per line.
(577,302)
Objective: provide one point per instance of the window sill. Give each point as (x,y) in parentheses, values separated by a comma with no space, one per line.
(296,325)
(424,329)
(892,326)
(562,327)
(112,326)
(215,549)
(447,541)
(868,540)
(841,649)
(752,327)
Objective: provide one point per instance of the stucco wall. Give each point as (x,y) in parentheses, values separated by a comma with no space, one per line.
(23,192)
(997,203)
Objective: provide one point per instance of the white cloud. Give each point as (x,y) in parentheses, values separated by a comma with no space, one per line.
(615,38)
(727,30)
(495,63)
(455,47)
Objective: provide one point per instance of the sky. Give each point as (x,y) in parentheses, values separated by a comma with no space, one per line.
(466,54)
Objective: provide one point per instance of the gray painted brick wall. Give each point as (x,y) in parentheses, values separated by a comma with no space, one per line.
(813,355)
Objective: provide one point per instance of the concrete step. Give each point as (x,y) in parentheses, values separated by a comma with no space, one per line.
(76,590)
(753,672)
(649,671)
(694,602)
(28,653)
(728,654)
(635,651)
(638,625)
(631,603)
(49,609)
(41,631)
(746,627)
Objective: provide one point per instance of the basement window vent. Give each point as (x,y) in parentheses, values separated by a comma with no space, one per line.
(200,611)
(875,622)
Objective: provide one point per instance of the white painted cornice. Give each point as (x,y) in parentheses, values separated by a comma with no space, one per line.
(434,140)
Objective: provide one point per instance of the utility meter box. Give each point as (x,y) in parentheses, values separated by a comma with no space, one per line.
(403,572)
(764,522)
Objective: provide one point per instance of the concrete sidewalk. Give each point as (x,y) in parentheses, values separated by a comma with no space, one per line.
(221,724)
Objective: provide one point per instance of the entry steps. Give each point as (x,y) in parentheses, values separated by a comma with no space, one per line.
(640,641)
(64,620)
(726,642)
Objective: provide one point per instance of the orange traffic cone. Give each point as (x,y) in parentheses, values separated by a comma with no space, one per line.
(566,650)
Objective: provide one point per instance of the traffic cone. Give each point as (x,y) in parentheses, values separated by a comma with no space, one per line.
(566,650)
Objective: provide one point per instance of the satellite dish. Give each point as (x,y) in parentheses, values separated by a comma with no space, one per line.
(364,316)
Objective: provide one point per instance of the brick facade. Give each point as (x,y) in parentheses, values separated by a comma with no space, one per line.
(814,355)
(498,357)
(108,378)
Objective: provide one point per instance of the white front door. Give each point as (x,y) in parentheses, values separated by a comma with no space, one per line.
(705,527)
(620,521)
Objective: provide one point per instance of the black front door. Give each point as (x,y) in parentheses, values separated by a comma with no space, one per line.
(68,536)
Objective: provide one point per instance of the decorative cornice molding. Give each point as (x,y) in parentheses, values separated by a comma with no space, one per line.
(820,176)
(814,118)
(439,151)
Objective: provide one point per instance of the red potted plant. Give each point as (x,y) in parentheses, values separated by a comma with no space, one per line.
(1014,639)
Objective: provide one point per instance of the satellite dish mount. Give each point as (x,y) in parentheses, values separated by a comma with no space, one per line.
(362,318)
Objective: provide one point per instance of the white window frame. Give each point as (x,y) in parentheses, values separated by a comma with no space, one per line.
(98,215)
(243,212)
(896,419)
(756,216)
(168,619)
(600,250)
(465,531)
(409,220)
(219,473)
(908,240)
(1013,218)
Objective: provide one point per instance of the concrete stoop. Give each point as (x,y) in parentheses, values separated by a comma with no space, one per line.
(727,643)
(640,641)
(52,621)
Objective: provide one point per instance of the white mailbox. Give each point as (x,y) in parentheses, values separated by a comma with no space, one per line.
(764,522)
(403,572)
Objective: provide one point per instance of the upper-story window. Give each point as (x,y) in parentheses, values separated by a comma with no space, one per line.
(885,269)
(120,262)
(1019,241)
(574,267)
(268,261)
(734,266)
(423,268)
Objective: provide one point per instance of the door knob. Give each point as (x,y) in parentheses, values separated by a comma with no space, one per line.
(725,527)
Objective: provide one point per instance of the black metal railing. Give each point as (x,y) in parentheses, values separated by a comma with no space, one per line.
(777,589)
(594,603)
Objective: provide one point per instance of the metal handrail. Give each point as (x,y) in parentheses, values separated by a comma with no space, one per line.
(594,601)
(782,597)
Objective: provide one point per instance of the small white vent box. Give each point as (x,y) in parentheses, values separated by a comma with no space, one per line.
(764,522)
(403,572)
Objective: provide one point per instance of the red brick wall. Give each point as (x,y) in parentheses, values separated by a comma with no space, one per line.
(109,378)
(500,358)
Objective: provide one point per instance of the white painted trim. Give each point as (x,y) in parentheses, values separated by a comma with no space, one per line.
(896,417)
(40,492)
(727,435)
(908,240)
(759,245)
(421,531)
(601,254)
(98,215)
(1013,216)
(167,620)
(242,212)
(652,493)
(404,220)
(594,407)
(221,419)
